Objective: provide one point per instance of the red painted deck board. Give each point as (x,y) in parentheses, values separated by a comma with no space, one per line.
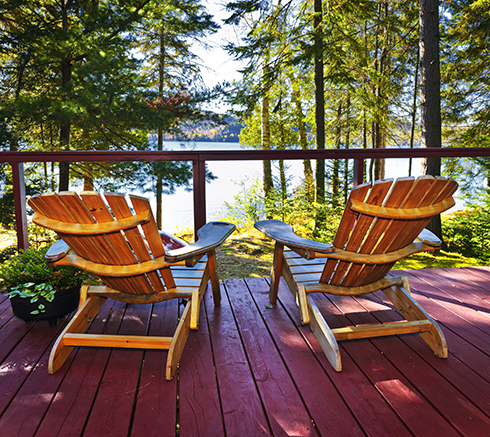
(243,414)
(432,388)
(313,383)
(156,404)
(285,410)
(70,408)
(251,370)
(198,394)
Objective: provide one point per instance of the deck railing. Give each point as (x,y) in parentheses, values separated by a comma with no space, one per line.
(199,159)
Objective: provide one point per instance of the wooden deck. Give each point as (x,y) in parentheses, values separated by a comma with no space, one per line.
(252,370)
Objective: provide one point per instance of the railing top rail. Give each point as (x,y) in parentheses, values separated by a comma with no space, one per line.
(239,155)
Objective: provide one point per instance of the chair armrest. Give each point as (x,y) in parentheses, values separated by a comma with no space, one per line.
(284,234)
(58,250)
(210,236)
(429,238)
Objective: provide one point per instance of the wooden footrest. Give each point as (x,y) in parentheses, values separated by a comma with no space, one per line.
(394,328)
(134,341)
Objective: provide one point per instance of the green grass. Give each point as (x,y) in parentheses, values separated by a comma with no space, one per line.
(437,260)
(248,254)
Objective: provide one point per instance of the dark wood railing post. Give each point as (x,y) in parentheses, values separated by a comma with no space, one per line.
(358,172)
(20,205)
(199,181)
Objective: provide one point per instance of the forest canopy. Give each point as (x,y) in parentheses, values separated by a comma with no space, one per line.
(124,75)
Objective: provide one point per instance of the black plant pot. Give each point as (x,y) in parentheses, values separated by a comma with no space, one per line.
(65,302)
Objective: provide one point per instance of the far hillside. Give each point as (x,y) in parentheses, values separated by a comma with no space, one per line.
(227,129)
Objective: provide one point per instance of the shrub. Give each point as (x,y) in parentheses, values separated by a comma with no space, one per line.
(29,266)
(296,210)
(468,232)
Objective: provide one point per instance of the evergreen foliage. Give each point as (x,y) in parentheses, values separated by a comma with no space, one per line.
(468,232)
(104,75)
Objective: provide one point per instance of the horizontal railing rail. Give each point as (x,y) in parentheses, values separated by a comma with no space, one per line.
(199,159)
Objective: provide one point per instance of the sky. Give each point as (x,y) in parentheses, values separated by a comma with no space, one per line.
(217,63)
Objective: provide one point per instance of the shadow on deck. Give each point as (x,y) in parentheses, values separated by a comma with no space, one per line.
(252,370)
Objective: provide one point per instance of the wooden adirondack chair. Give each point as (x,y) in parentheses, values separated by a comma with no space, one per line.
(380,225)
(120,242)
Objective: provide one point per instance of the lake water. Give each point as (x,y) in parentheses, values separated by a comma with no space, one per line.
(178,208)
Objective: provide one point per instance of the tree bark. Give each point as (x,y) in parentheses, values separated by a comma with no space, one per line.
(430,83)
(65,126)
(380,66)
(319,111)
(414,108)
(159,178)
(303,139)
(268,183)
(430,97)
(88,182)
(319,101)
(65,129)
(336,162)
(347,146)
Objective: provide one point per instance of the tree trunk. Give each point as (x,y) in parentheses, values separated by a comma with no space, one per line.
(319,111)
(282,178)
(414,108)
(159,178)
(380,61)
(88,182)
(336,162)
(430,97)
(45,168)
(303,139)
(430,83)
(268,183)
(364,115)
(347,146)
(53,181)
(65,127)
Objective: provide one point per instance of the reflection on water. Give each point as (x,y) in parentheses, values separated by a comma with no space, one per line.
(178,208)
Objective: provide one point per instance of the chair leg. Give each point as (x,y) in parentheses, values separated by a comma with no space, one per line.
(79,324)
(195,302)
(303,305)
(411,310)
(324,336)
(213,274)
(178,342)
(276,271)
(83,295)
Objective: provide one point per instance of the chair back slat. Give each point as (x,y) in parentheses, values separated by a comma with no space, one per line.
(395,199)
(121,209)
(102,214)
(152,235)
(441,190)
(360,227)
(67,207)
(347,221)
(124,247)
(51,206)
(398,231)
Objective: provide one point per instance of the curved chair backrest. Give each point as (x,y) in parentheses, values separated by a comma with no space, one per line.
(384,219)
(112,237)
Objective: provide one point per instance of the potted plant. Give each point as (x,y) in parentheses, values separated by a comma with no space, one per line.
(37,291)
